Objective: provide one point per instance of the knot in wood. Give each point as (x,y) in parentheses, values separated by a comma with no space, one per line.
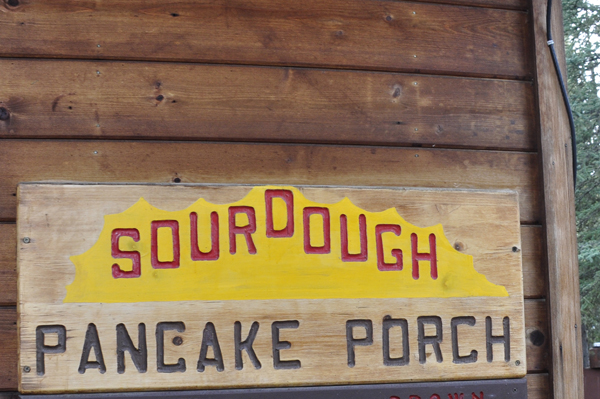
(4,114)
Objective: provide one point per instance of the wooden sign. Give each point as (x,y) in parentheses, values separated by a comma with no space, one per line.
(141,287)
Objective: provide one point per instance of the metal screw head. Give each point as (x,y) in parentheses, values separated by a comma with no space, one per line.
(26,240)
(518,362)
(98,45)
(26,369)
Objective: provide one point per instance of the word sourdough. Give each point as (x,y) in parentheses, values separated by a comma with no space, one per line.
(279,245)
(250,228)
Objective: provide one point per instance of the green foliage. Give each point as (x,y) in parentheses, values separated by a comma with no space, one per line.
(582,45)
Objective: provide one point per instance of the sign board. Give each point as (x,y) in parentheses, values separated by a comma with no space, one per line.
(141,287)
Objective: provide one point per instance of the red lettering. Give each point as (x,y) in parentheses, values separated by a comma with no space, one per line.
(362,227)
(435,396)
(213,254)
(288,197)
(324,212)
(414,397)
(456,396)
(417,256)
(474,396)
(394,397)
(174,226)
(397,253)
(136,269)
(247,230)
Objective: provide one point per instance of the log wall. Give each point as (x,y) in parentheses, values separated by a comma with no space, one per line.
(437,93)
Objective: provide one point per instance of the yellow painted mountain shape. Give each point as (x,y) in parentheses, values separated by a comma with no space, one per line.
(272,244)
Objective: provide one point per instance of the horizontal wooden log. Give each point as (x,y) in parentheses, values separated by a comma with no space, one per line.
(538,338)
(359,34)
(187,162)
(538,386)
(535,320)
(8,349)
(150,100)
(503,4)
(8,264)
(531,236)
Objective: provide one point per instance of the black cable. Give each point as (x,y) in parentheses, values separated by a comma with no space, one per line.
(563,89)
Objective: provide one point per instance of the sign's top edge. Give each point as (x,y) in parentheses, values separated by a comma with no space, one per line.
(398,188)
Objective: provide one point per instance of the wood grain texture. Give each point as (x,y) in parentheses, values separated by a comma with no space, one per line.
(62,99)
(538,384)
(502,4)
(559,200)
(8,349)
(381,35)
(8,264)
(531,239)
(538,335)
(156,162)
(534,270)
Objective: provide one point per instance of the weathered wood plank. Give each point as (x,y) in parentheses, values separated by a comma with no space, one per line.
(537,383)
(8,264)
(62,99)
(381,35)
(538,337)
(559,203)
(531,239)
(534,271)
(8,349)
(159,162)
(503,4)
(538,386)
